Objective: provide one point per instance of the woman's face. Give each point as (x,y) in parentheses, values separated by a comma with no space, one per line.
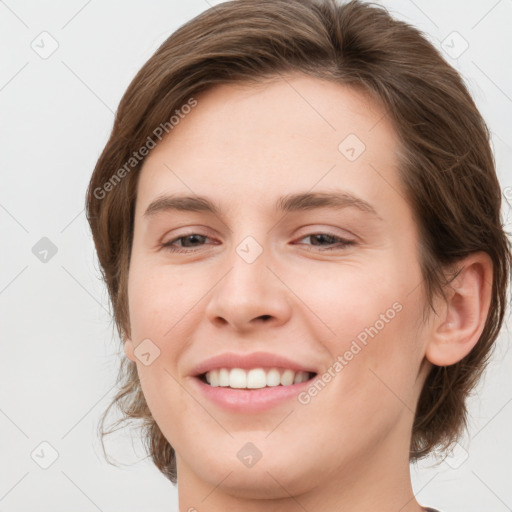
(334,289)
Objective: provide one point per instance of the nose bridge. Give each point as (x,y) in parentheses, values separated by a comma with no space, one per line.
(249,290)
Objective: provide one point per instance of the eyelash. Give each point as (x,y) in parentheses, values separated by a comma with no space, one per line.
(342,244)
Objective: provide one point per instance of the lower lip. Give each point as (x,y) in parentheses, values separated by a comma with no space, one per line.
(250,400)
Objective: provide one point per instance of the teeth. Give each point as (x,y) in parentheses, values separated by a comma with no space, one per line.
(287,378)
(223,377)
(256,378)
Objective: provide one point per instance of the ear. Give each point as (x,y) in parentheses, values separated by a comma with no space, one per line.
(129,349)
(458,328)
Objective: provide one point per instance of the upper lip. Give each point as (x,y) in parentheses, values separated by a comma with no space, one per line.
(248,361)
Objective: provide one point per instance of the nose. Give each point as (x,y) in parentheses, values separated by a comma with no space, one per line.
(250,294)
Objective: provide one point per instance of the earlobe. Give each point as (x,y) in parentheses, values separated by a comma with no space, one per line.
(129,349)
(460,326)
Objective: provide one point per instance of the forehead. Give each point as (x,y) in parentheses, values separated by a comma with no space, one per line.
(293,132)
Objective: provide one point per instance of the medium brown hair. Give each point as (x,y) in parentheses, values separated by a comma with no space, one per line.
(447,167)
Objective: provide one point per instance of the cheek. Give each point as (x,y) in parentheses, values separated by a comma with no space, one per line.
(354,296)
(159,299)
(374,317)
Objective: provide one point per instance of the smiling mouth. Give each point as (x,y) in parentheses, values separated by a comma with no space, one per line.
(256,378)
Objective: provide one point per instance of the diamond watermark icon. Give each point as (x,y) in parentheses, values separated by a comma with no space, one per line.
(45,45)
(146,352)
(249,455)
(454,45)
(249,249)
(457,456)
(351,147)
(44,455)
(44,250)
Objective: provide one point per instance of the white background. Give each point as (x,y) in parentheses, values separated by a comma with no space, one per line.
(59,351)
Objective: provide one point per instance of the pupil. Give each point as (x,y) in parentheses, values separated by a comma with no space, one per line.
(324,237)
(189,237)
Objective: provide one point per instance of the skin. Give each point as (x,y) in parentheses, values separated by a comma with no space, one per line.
(244,147)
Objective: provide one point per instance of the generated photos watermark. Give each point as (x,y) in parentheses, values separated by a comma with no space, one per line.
(138,156)
(342,360)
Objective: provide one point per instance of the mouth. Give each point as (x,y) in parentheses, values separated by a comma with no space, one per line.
(254,378)
(252,382)
(255,390)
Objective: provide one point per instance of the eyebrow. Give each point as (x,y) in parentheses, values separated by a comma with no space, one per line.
(286,204)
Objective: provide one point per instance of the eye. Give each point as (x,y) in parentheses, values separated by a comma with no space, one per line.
(328,239)
(191,238)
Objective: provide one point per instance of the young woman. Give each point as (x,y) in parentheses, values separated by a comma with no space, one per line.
(298,220)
